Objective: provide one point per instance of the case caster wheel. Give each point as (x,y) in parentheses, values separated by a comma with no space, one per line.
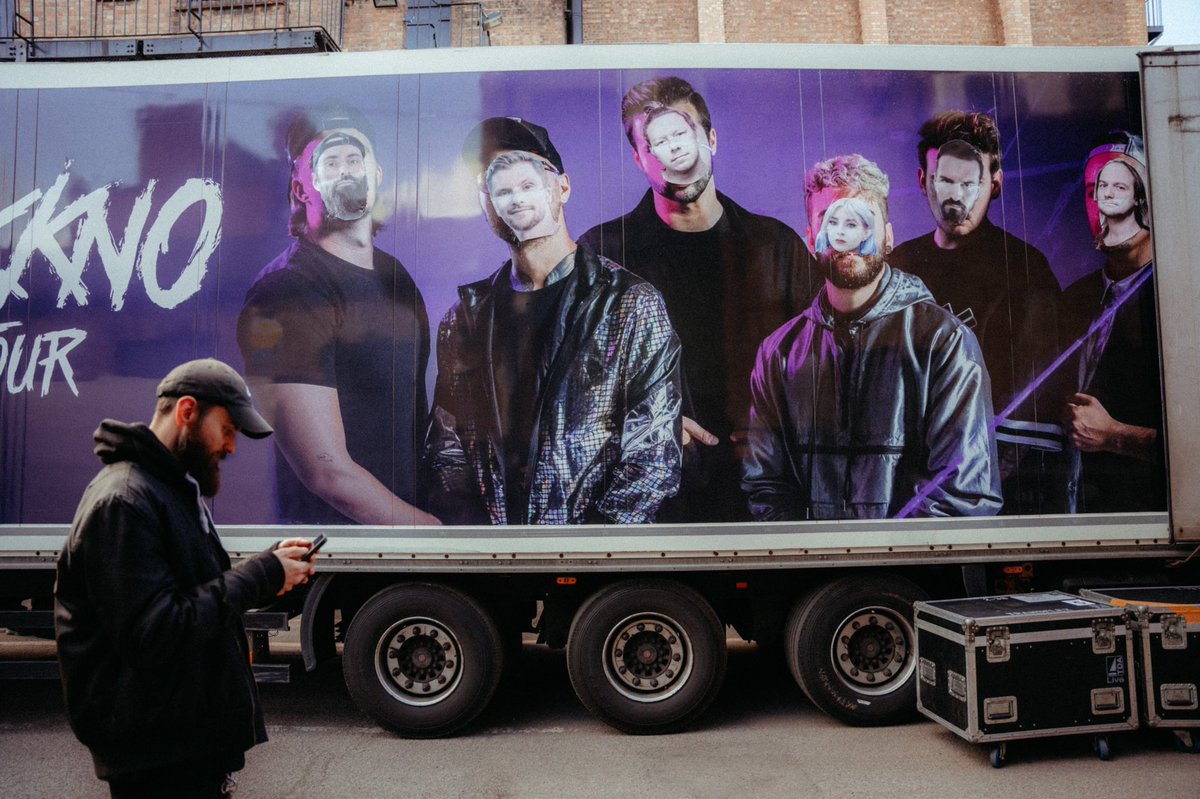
(1186,741)
(1100,745)
(998,755)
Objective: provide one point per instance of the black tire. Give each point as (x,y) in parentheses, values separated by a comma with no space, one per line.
(851,646)
(646,656)
(422,659)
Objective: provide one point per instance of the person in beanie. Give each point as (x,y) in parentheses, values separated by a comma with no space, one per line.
(147,612)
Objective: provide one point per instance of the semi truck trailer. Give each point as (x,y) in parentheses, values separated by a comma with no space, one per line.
(148,210)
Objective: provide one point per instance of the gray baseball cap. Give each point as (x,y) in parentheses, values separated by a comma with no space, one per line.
(219,383)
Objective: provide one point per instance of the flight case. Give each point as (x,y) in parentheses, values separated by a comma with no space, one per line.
(1003,668)
(1166,621)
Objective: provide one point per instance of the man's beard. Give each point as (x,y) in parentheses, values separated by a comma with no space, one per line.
(954,212)
(850,271)
(689,193)
(202,464)
(346,198)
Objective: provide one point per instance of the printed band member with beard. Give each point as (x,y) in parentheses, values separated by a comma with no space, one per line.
(1114,417)
(335,338)
(728,277)
(557,398)
(1003,288)
(147,613)
(874,402)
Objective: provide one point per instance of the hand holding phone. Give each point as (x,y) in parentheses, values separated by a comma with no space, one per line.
(317,543)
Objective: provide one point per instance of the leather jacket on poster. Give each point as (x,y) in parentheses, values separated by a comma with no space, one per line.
(883,415)
(605,446)
(148,617)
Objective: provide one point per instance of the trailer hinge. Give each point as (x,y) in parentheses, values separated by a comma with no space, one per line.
(998,650)
(1104,636)
(1174,631)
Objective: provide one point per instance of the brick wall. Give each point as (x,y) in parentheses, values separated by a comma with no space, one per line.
(660,21)
(962,22)
(980,22)
(1084,22)
(529,21)
(365,27)
(831,21)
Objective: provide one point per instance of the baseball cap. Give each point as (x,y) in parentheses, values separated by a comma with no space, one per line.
(508,133)
(213,381)
(310,123)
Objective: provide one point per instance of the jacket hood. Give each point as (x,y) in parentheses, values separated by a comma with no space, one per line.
(118,441)
(900,290)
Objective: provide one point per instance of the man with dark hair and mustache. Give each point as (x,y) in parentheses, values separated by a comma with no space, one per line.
(335,338)
(1003,288)
(874,402)
(728,277)
(155,668)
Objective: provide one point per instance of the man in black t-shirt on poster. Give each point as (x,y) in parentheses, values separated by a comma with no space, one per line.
(1005,291)
(335,338)
(729,279)
(557,397)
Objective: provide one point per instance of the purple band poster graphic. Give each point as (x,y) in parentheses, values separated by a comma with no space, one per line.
(351,245)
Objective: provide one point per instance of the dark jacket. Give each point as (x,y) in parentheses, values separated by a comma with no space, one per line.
(726,289)
(605,444)
(147,614)
(1127,383)
(881,416)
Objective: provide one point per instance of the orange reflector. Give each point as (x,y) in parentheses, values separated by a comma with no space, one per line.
(741,586)
(566,580)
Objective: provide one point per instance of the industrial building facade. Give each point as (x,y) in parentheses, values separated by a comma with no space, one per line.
(82,29)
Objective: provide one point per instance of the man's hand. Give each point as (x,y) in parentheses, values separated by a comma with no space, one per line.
(692,429)
(295,571)
(1092,429)
(1089,425)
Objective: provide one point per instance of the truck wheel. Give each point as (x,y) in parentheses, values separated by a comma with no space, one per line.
(422,660)
(850,645)
(646,657)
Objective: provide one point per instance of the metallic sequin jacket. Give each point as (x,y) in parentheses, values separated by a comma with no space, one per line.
(887,415)
(606,443)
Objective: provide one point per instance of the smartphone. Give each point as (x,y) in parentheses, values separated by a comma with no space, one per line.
(317,543)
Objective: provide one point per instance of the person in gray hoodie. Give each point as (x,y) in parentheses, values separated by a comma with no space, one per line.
(875,401)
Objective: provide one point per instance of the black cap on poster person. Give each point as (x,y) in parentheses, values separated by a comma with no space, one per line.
(218,383)
(494,134)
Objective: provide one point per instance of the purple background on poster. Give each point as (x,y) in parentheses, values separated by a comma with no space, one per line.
(771,125)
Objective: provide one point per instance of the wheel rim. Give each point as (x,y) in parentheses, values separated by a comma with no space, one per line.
(419,661)
(647,657)
(872,651)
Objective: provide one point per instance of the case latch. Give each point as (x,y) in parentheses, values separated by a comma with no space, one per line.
(1174,631)
(1104,636)
(997,645)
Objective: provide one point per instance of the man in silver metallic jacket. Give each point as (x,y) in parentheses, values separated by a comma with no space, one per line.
(874,402)
(557,398)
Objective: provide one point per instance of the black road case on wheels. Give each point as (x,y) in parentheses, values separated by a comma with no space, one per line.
(1166,620)
(1004,668)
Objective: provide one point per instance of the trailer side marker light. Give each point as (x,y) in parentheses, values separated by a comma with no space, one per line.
(741,586)
(1013,569)
(566,580)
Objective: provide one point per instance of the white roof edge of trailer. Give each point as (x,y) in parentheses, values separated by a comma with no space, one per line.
(46,75)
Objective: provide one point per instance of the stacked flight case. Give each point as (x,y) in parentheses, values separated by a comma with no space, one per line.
(1005,668)
(1166,624)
